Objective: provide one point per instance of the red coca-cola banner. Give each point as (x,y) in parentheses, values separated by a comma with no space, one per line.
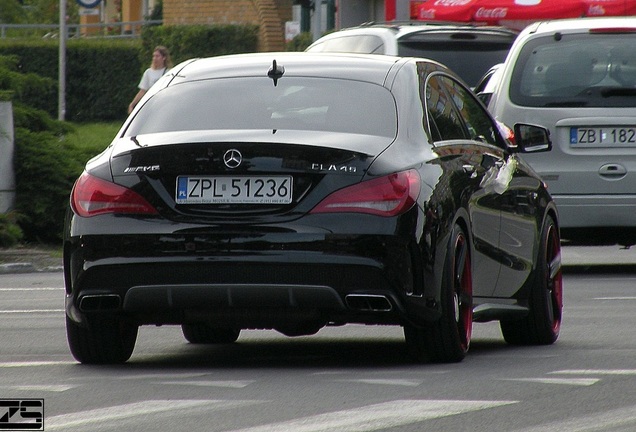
(502,11)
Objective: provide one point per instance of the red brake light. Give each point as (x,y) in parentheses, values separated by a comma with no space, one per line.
(92,196)
(385,196)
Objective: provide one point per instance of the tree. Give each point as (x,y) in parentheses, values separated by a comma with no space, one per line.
(12,12)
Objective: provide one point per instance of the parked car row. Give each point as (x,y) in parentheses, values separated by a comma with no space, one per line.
(467,49)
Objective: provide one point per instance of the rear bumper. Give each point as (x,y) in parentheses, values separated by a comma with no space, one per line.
(361,279)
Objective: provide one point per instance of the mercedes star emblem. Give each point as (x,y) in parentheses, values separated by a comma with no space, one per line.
(232,158)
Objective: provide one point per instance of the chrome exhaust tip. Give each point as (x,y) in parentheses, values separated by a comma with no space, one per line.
(99,302)
(368,302)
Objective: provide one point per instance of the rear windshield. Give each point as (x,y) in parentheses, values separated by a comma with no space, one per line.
(469,60)
(584,70)
(316,104)
(366,44)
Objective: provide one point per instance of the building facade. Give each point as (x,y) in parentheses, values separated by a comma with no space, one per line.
(269,15)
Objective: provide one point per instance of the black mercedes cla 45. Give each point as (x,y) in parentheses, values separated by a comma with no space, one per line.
(293,191)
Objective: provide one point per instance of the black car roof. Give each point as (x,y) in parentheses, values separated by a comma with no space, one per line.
(372,68)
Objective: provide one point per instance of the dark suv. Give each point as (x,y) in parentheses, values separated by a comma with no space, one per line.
(469,50)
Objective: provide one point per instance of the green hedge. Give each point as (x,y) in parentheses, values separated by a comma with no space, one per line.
(102,74)
(192,41)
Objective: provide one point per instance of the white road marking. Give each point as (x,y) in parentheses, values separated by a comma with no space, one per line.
(615,298)
(597,422)
(595,372)
(225,384)
(45,388)
(119,412)
(379,416)
(35,363)
(28,311)
(395,382)
(33,289)
(561,381)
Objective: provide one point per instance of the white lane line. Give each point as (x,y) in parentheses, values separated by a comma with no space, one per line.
(119,412)
(33,289)
(44,388)
(560,381)
(395,382)
(224,384)
(597,422)
(35,363)
(595,372)
(28,311)
(615,298)
(379,416)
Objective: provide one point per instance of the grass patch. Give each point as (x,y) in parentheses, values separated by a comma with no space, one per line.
(90,139)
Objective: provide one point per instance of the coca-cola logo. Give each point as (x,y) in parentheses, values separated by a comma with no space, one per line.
(427,14)
(451,2)
(596,10)
(494,13)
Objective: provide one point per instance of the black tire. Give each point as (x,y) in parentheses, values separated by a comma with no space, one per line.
(448,339)
(542,325)
(102,340)
(202,333)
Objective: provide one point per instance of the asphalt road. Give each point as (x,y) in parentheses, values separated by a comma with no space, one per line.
(352,378)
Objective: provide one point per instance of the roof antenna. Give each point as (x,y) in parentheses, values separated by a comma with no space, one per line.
(275,72)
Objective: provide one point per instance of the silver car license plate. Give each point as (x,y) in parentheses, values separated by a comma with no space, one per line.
(234,190)
(606,136)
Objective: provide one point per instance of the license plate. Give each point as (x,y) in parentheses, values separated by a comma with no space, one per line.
(603,136)
(234,190)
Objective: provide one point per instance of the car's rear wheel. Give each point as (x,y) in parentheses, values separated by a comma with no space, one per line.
(448,339)
(202,333)
(543,323)
(102,341)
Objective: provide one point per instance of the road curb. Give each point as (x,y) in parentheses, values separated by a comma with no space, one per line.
(25,267)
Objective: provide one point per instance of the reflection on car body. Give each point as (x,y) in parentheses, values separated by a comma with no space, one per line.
(341,189)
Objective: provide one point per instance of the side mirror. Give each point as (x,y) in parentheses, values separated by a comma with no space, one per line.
(531,138)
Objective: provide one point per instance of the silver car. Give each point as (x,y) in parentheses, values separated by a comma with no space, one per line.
(578,78)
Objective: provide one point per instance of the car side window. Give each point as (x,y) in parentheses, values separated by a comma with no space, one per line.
(443,118)
(476,122)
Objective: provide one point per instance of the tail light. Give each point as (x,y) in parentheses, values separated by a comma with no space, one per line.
(385,196)
(93,196)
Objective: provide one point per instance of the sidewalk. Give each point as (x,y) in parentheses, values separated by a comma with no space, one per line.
(573,258)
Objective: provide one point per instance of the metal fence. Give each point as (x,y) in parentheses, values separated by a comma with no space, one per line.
(128,29)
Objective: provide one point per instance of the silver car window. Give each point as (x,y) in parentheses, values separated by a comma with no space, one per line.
(587,70)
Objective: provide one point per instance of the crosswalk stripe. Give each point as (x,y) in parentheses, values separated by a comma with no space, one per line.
(562,381)
(596,422)
(224,384)
(595,372)
(34,363)
(379,416)
(46,388)
(119,412)
(395,382)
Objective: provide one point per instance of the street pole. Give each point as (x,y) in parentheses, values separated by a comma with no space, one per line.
(61,106)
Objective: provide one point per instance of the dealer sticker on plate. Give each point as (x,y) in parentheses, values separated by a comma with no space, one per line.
(234,190)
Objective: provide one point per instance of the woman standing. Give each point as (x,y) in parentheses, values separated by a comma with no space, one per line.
(161,62)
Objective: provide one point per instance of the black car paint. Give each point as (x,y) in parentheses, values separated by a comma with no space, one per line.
(290,270)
